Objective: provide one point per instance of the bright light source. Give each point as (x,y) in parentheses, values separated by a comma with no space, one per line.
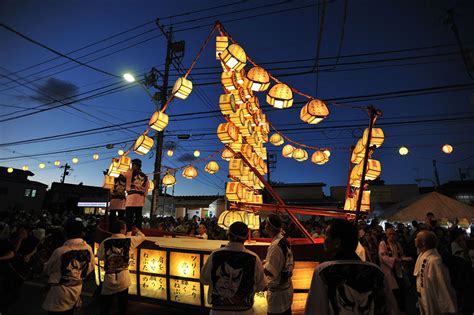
(447,148)
(197,153)
(25,167)
(170,152)
(129,77)
(327,152)
(121,152)
(42,165)
(75,160)
(57,163)
(95,156)
(10,170)
(403,151)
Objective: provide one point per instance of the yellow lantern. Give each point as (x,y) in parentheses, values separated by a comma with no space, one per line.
(169,152)
(238,77)
(314,112)
(276,139)
(196,153)
(236,145)
(10,170)
(75,160)
(280,96)
(95,156)
(234,57)
(42,165)
(351,202)
(247,151)
(124,163)
(287,151)
(447,148)
(235,167)
(374,168)
(190,172)
(247,129)
(182,88)
(109,182)
(300,155)
(227,132)
(120,152)
(158,121)
(168,180)
(151,185)
(227,218)
(143,145)
(327,152)
(234,191)
(113,168)
(239,99)
(227,154)
(376,138)
(221,44)
(258,79)
(245,93)
(227,81)
(212,167)
(358,152)
(403,151)
(238,118)
(57,163)
(25,167)
(227,104)
(319,157)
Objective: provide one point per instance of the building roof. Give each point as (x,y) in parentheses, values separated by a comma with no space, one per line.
(297,184)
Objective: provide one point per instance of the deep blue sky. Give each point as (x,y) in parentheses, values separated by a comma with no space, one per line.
(371,26)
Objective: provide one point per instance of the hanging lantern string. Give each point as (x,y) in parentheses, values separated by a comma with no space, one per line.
(224,32)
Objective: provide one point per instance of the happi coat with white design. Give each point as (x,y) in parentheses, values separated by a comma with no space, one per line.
(66,269)
(234,274)
(433,284)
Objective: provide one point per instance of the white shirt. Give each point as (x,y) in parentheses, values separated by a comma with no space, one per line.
(63,297)
(279,297)
(117,282)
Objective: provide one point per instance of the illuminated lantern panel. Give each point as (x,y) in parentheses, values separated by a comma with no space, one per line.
(95,157)
(258,79)
(182,88)
(58,163)
(234,57)
(75,160)
(234,191)
(10,170)
(143,145)
(212,167)
(403,151)
(227,132)
(447,148)
(169,152)
(152,286)
(186,265)
(376,139)
(158,121)
(253,105)
(319,158)
(109,182)
(247,129)
(238,118)
(280,96)
(287,151)
(168,180)
(314,112)
(228,217)
(190,172)
(124,163)
(25,167)
(227,104)
(221,44)
(227,154)
(227,81)
(153,261)
(276,139)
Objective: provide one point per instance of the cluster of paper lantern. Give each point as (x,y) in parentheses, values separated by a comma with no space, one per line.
(228,217)
(373,170)
(318,157)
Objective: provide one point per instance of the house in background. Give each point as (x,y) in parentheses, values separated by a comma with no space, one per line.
(17,192)
(87,199)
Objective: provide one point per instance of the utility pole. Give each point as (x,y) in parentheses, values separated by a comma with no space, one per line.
(65,173)
(435,169)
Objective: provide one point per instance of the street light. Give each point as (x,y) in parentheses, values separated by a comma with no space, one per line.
(129,77)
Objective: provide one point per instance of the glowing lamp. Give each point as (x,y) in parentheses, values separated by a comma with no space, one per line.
(234,57)
(238,118)
(212,167)
(351,202)
(75,160)
(227,218)
(113,168)
(245,93)
(403,151)
(374,168)
(227,132)
(227,81)
(287,151)
(158,121)
(234,191)
(247,151)
(300,155)
(57,163)
(238,77)
(280,96)
(109,182)
(196,153)
(258,79)
(247,129)
(314,112)
(151,185)
(120,152)
(327,152)
(227,104)
(95,156)
(447,148)
(319,158)
(252,105)
(168,180)
(25,167)
(143,145)
(236,145)
(221,44)
(182,88)
(276,139)
(10,170)
(239,99)
(235,167)
(129,77)
(169,152)
(42,165)
(190,172)
(227,154)
(376,138)
(124,163)
(358,152)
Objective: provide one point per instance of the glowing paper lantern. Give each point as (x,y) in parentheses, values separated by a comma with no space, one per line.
(287,151)
(95,157)
(158,121)
(238,77)
(75,160)
(447,148)
(124,163)
(196,153)
(10,170)
(314,112)
(319,157)
(257,79)
(57,163)
(168,180)
(236,145)
(25,167)
(120,152)
(235,167)
(169,152)
(182,88)
(238,119)
(245,93)
(376,138)
(239,99)
(227,154)
(247,129)
(374,168)
(403,151)
(227,218)
(327,152)
(234,191)
(300,155)
(280,96)
(234,57)
(221,44)
(212,167)
(227,104)
(109,182)
(143,145)
(113,168)
(227,132)
(358,152)
(227,81)
(151,185)
(276,139)
(42,165)
(351,202)
(190,172)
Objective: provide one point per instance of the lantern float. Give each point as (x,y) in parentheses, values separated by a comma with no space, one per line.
(212,167)
(377,137)
(182,88)
(258,79)
(300,155)
(276,139)
(143,145)
(314,112)
(168,180)
(158,121)
(280,96)
(227,104)
(190,172)
(227,81)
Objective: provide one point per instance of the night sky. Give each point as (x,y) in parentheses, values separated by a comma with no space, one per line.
(391,36)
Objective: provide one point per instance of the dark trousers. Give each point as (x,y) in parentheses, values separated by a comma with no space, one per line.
(69,312)
(120,214)
(133,217)
(287,312)
(106,302)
